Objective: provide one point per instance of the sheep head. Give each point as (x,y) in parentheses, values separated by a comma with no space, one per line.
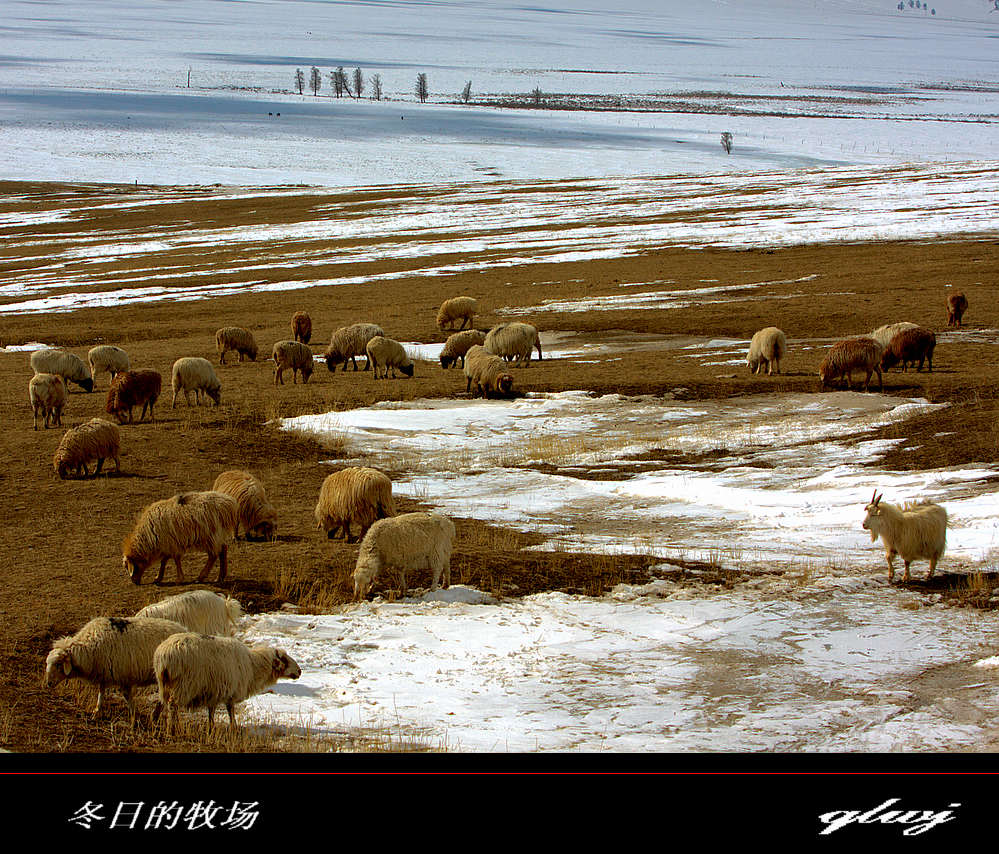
(447,361)
(872,521)
(284,666)
(58,666)
(87,384)
(407,370)
(134,566)
(215,394)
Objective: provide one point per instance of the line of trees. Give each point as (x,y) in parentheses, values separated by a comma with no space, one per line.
(355,84)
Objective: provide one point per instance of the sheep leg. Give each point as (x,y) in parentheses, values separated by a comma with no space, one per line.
(468,385)
(906,576)
(180,572)
(933,566)
(890,557)
(212,557)
(881,379)
(100,462)
(223,563)
(230,707)
(100,701)
(211,717)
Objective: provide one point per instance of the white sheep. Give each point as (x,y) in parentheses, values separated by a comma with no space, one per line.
(110,651)
(293,355)
(235,338)
(349,342)
(194,670)
(487,372)
(198,611)
(69,366)
(513,342)
(356,494)
(766,349)
(47,393)
(193,373)
(105,357)
(457,308)
(915,531)
(387,354)
(95,439)
(256,514)
(403,543)
(884,334)
(457,346)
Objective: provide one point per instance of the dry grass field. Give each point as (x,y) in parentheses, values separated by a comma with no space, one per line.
(60,558)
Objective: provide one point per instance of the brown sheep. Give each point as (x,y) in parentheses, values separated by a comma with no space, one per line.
(294,355)
(95,439)
(47,394)
(236,338)
(131,389)
(487,371)
(463,308)
(853,354)
(301,327)
(457,346)
(908,346)
(957,305)
(358,494)
(256,514)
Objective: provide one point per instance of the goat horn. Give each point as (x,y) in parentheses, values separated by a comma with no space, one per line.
(878,499)
(874,495)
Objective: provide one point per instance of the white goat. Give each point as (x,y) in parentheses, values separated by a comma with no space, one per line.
(916,531)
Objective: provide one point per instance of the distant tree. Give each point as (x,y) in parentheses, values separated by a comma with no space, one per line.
(376,86)
(466,93)
(726,142)
(338,79)
(299,80)
(344,81)
(536,96)
(315,80)
(358,82)
(422,92)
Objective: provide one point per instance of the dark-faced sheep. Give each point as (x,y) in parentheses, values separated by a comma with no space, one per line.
(236,338)
(47,394)
(908,347)
(69,366)
(349,342)
(513,342)
(190,521)
(105,357)
(487,372)
(131,389)
(301,327)
(957,305)
(95,439)
(915,531)
(109,651)
(357,495)
(403,543)
(198,611)
(766,349)
(853,354)
(256,514)
(385,354)
(195,670)
(294,356)
(457,308)
(193,373)
(457,346)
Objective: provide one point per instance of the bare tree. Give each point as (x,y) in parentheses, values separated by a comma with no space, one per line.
(344,81)
(376,86)
(315,80)
(726,142)
(299,80)
(358,82)
(536,95)
(466,93)
(337,80)
(422,92)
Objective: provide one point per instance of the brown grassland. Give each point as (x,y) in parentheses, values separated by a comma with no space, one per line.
(60,558)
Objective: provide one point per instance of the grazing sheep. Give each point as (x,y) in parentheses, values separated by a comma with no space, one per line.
(409,541)
(513,342)
(105,357)
(916,531)
(47,393)
(192,373)
(487,371)
(190,521)
(348,342)
(457,308)
(194,670)
(766,350)
(198,611)
(236,338)
(131,389)
(301,327)
(910,345)
(387,354)
(110,651)
(853,354)
(70,367)
(95,439)
(358,494)
(256,514)
(457,345)
(957,305)
(295,356)
(884,334)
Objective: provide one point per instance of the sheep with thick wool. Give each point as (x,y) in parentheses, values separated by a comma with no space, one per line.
(198,611)
(853,354)
(357,495)
(68,365)
(294,356)
(915,531)
(238,339)
(457,346)
(386,354)
(884,334)
(957,305)
(301,327)
(107,358)
(109,651)
(256,514)
(95,439)
(193,373)
(349,342)
(190,521)
(487,372)
(47,394)
(766,349)
(411,541)
(908,347)
(195,670)
(457,308)
(131,389)
(513,342)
